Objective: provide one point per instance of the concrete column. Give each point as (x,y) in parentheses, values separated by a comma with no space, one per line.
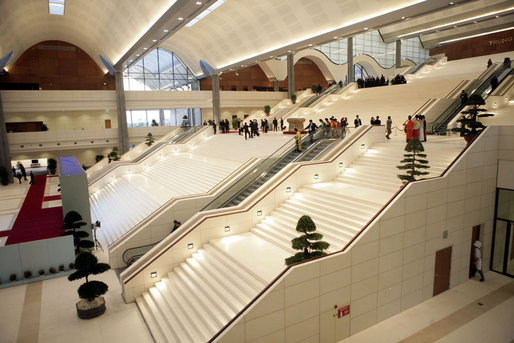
(275,86)
(350,59)
(290,75)
(398,55)
(5,153)
(216,113)
(161,117)
(122,113)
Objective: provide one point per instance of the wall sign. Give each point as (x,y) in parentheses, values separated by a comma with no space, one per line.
(343,311)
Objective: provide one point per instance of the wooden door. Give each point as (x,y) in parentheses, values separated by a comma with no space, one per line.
(443,260)
(475,236)
(107,123)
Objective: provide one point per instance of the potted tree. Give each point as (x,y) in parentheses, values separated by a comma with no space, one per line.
(414,161)
(115,154)
(98,158)
(309,244)
(149,139)
(4,176)
(267,110)
(235,123)
(52,166)
(72,224)
(92,304)
(293,98)
(470,126)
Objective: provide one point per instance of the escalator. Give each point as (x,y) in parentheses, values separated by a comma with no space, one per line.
(330,90)
(480,86)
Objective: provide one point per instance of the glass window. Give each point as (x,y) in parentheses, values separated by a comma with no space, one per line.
(160,69)
(505,205)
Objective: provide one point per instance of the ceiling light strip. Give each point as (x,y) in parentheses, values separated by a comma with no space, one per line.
(477,35)
(457,22)
(206,12)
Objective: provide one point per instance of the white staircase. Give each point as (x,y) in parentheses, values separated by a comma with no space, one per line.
(201,295)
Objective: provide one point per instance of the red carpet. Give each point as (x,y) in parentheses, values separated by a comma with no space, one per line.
(33,222)
(52,197)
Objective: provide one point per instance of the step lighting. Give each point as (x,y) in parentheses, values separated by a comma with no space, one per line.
(363,146)
(153,274)
(259,213)
(288,189)
(227,228)
(190,246)
(340,164)
(316,176)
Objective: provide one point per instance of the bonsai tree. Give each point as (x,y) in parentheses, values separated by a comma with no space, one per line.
(235,123)
(293,98)
(414,161)
(72,224)
(470,126)
(314,87)
(52,165)
(149,139)
(4,176)
(44,127)
(267,110)
(115,154)
(98,158)
(309,244)
(185,122)
(92,304)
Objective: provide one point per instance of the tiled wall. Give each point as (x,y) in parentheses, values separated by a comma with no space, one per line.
(390,268)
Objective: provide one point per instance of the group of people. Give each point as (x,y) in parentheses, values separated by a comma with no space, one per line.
(375,81)
(398,80)
(334,128)
(250,130)
(22,173)
(416,128)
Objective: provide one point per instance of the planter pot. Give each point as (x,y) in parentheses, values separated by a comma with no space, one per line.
(5,182)
(90,309)
(469,138)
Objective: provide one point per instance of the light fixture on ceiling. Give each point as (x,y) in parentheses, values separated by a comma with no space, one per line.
(166,31)
(206,12)
(458,22)
(477,35)
(180,18)
(198,3)
(154,40)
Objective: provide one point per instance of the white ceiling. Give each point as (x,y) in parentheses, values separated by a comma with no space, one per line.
(107,27)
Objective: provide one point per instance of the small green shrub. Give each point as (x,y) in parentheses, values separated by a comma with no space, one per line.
(41,272)
(27,274)
(12,277)
(61,267)
(52,270)
(72,265)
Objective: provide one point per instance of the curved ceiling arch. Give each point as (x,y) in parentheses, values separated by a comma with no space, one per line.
(98,27)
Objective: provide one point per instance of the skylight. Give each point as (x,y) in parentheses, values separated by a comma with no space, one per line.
(56,7)
(206,12)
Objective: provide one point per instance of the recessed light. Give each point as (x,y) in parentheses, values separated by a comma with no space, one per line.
(154,40)
(403,18)
(145,48)
(166,31)
(198,3)
(137,55)
(451,3)
(365,28)
(153,274)
(180,18)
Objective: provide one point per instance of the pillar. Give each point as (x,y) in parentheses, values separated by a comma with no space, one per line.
(350,59)
(398,55)
(162,120)
(290,75)
(216,98)
(5,153)
(122,113)
(275,86)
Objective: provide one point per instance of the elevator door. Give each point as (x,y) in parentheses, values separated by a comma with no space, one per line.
(443,260)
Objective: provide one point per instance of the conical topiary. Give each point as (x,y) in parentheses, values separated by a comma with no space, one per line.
(309,244)
(414,161)
(149,139)
(471,125)
(72,223)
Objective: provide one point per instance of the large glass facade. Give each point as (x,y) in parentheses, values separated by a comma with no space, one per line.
(371,43)
(160,69)
(164,117)
(502,259)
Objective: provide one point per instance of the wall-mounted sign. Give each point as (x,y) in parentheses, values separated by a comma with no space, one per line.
(500,41)
(343,311)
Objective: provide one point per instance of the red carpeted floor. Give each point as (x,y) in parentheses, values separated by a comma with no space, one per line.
(33,222)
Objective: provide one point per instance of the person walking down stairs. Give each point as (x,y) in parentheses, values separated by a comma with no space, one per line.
(298,139)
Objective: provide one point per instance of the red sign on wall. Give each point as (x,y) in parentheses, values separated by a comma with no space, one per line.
(343,311)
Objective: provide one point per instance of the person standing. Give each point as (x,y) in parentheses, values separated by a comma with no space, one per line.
(31,178)
(478,259)
(463,97)
(18,175)
(378,121)
(389,125)
(489,63)
(214,126)
(298,138)
(275,124)
(415,128)
(23,171)
(13,171)
(408,127)
(312,129)
(357,122)
(422,137)
(246,130)
(281,124)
